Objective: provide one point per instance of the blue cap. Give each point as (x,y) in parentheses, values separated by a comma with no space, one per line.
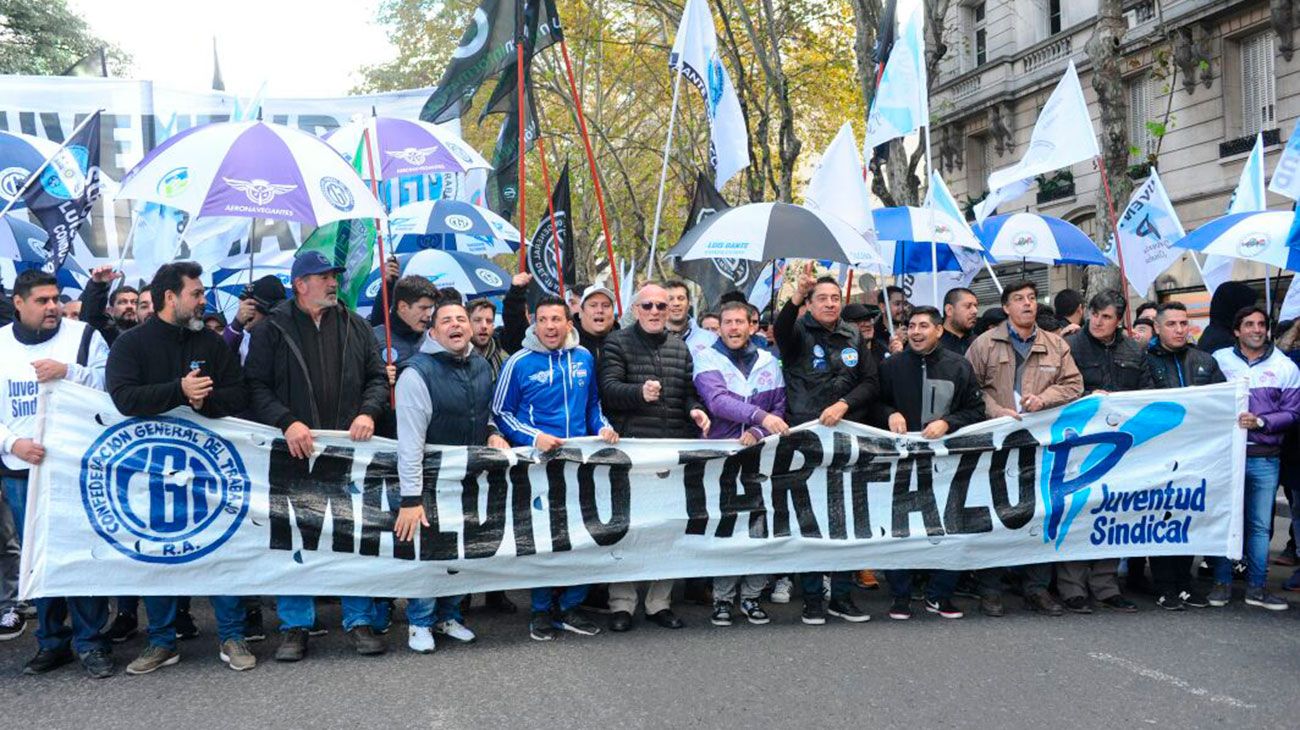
(312,262)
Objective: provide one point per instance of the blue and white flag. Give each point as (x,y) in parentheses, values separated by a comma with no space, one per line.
(901,104)
(970,260)
(65,191)
(1147,229)
(695,53)
(1286,176)
(1249,197)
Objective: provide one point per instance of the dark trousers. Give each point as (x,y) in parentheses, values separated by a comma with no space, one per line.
(940,585)
(841,585)
(1171,574)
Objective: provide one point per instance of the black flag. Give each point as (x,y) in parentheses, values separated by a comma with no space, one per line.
(715,277)
(541,249)
(94,64)
(486,49)
(503,180)
(63,194)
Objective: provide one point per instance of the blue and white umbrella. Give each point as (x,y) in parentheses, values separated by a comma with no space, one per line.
(922,225)
(469,274)
(910,257)
(451,225)
(1258,236)
(1038,238)
(20,155)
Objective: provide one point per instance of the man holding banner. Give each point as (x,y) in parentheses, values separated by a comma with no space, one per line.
(169,362)
(444,396)
(38,347)
(315,365)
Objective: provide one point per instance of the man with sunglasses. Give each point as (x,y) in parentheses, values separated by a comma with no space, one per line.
(647,392)
(829,372)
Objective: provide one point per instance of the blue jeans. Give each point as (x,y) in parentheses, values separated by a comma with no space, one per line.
(1262,474)
(841,585)
(543,599)
(940,586)
(299,612)
(229,612)
(88,616)
(13,490)
(426,612)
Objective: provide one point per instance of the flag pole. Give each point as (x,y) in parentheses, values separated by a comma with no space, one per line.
(595,174)
(550,204)
(36,175)
(1114,226)
(522,111)
(383,260)
(663,173)
(252,230)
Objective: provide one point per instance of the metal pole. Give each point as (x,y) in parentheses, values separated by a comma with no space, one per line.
(663,173)
(383,260)
(522,110)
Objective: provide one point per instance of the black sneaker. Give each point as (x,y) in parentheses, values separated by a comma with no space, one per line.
(721,614)
(575,622)
(1171,603)
(47,660)
(844,608)
(498,601)
(1077,604)
(293,646)
(125,625)
(186,629)
(754,611)
(814,611)
(365,641)
(967,586)
(540,627)
(944,607)
(901,608)
(253,628)
(12,624)
(98,664)
(1195,599)
(1119,604)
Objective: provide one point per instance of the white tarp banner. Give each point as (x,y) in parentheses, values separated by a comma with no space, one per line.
(183,505)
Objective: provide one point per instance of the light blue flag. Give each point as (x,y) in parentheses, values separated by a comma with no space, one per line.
(1249,197)
(901,104)
(1286,176)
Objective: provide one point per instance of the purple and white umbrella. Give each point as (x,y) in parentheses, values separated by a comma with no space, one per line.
(252,170)
(406,147)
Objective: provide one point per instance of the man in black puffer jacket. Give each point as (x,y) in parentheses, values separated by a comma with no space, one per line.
(647,391)
(1109,361)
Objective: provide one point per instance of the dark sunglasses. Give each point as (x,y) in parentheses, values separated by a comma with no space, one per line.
(647,306)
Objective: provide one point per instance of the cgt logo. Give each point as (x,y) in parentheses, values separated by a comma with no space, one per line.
(163,490)
(1096,449)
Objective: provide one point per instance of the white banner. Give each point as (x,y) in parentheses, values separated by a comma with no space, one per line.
(1148,227)
(186,505)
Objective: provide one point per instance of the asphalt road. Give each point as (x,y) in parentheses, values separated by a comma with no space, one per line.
(1230,667)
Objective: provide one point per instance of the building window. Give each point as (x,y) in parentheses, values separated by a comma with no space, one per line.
(980,33)
(1258,95)
(1141,109)
(977,165)
(1053,17)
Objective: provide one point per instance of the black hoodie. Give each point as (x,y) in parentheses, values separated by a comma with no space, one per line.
(1228,299)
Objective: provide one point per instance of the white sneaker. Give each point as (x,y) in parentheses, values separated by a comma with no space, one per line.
(455,630)
(781,590)
(420,639)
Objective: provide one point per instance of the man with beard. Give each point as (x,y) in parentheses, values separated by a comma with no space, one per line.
(444,396)
(110,314)
(482,323)
(596,318)
(679,318)
(170,361)
(960,312)
(144,305)
(314,365)
(39,347)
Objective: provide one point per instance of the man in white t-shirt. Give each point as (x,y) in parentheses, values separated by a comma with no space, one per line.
(40,347)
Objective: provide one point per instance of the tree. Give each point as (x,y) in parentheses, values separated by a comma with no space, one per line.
(1104,50)
(46,38)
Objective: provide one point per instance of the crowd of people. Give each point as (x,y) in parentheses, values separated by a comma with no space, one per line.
(444,372)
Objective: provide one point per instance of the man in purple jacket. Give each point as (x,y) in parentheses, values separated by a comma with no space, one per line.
(742,389)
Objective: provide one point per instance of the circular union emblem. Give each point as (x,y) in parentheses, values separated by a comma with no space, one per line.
(1252,245)
(164,490)
(1023,243)
(488,277)
(336,193)
(174,182)
(458,222)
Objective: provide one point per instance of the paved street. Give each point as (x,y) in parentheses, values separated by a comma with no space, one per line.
(1234,667)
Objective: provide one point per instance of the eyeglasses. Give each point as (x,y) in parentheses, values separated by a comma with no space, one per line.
(661,306)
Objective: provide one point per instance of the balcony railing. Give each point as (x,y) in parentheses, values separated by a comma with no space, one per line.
(1045,55)
(966,87)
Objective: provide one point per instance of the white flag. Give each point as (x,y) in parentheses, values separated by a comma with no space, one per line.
(1147,229)
(695,51)
(901,104)
(1249,197)
(838,186)
(1286,176)
(1062,136)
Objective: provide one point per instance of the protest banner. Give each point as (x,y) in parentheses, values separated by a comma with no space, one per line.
(183,505)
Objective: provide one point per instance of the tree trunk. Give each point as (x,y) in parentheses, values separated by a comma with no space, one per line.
(1108,81)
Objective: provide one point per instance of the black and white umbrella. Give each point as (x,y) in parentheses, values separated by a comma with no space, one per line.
(771,231)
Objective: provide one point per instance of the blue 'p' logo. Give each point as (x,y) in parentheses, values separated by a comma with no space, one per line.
(163,490)
(1107,448)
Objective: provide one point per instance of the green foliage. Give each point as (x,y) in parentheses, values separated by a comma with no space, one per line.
(45,38)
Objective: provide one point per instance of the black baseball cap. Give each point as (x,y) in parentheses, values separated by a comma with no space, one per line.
(266,293)
(856,312)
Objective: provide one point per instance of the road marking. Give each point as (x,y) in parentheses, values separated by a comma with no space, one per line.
(1169,679)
